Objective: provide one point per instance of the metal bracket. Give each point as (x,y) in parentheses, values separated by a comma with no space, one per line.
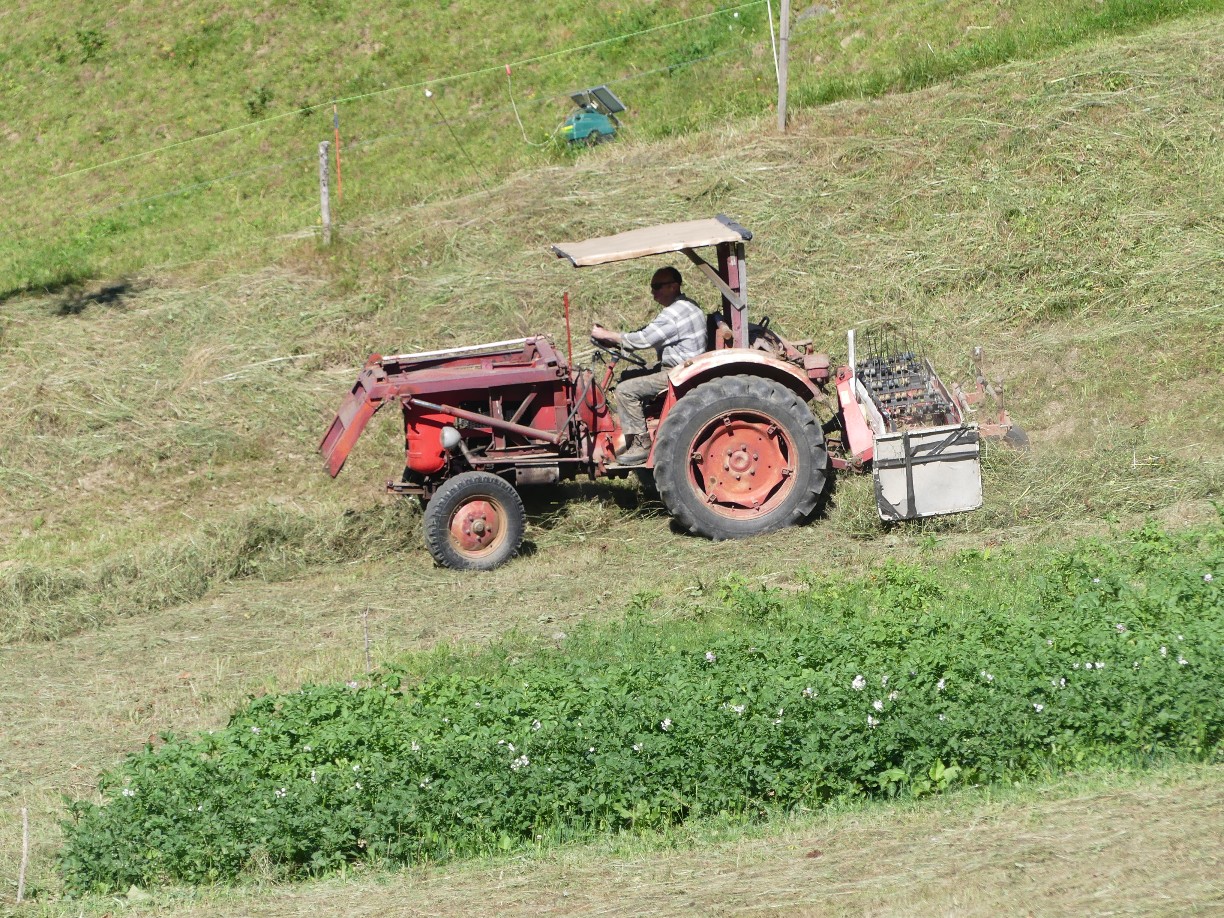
(736,300)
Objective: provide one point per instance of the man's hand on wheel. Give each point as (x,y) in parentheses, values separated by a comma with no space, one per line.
(605,336)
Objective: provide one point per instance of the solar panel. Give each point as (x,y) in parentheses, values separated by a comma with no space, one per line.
(607,100)
(601,98)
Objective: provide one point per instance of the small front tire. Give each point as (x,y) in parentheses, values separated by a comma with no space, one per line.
(474,522)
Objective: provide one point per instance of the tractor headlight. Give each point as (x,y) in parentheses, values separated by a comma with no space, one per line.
(450,438)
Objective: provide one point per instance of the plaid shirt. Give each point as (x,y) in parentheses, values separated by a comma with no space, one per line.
(678,333)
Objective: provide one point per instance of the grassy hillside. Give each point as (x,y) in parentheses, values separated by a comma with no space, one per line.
(166,134)
(1067,220)
(170,543)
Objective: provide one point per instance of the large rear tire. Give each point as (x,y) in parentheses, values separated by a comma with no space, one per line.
(739,456)
(474,522)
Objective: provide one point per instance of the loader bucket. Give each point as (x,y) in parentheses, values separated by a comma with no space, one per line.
(355,412)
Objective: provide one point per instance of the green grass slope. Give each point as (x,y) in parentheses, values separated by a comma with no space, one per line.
(153,134)
(163,516)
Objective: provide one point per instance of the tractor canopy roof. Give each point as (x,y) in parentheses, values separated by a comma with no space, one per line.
(652,240)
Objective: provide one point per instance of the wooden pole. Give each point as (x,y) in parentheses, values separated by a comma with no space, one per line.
(365,629)
(339,175)
(25,853)
(569,338)
(783,46)
(324,198)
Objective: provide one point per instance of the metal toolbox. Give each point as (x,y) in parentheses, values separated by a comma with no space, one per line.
(927,472)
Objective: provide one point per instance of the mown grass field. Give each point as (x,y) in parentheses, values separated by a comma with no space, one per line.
(171,545)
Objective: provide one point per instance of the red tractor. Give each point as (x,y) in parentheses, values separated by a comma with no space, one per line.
(737,449)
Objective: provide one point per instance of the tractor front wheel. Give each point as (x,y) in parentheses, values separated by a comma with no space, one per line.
(739,456)
(474,522)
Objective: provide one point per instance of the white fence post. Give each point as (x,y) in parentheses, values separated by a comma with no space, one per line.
(324,197)
(783,46)
(25,853)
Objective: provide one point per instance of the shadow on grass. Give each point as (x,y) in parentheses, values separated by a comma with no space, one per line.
(551,506)
(67,280)
(556,506)
(77,301)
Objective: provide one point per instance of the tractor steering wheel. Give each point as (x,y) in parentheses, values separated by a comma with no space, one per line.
(618,354)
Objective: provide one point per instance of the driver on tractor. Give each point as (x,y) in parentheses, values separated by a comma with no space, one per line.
(677,334)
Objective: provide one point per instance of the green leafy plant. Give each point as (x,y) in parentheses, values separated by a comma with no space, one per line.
(1109,652)
(92,42)
(257,103)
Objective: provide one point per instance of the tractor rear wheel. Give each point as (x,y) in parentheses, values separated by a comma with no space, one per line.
(474,522)
(739,456)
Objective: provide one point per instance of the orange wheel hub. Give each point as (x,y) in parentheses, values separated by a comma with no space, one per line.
(743,464)
(476,526)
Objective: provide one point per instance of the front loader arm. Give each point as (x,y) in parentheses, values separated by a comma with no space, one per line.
(437,386)
(369,393)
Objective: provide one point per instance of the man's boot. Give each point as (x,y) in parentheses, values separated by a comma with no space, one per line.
(636,451)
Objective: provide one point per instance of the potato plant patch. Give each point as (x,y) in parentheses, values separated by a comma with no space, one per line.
(907,681)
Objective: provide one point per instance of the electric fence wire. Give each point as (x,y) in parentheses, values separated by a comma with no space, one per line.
(363,145)
(173,192)
(369,143)
(455,137)
(773,42)
(523,130)
(420,84)
(480,115)
(241,173)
